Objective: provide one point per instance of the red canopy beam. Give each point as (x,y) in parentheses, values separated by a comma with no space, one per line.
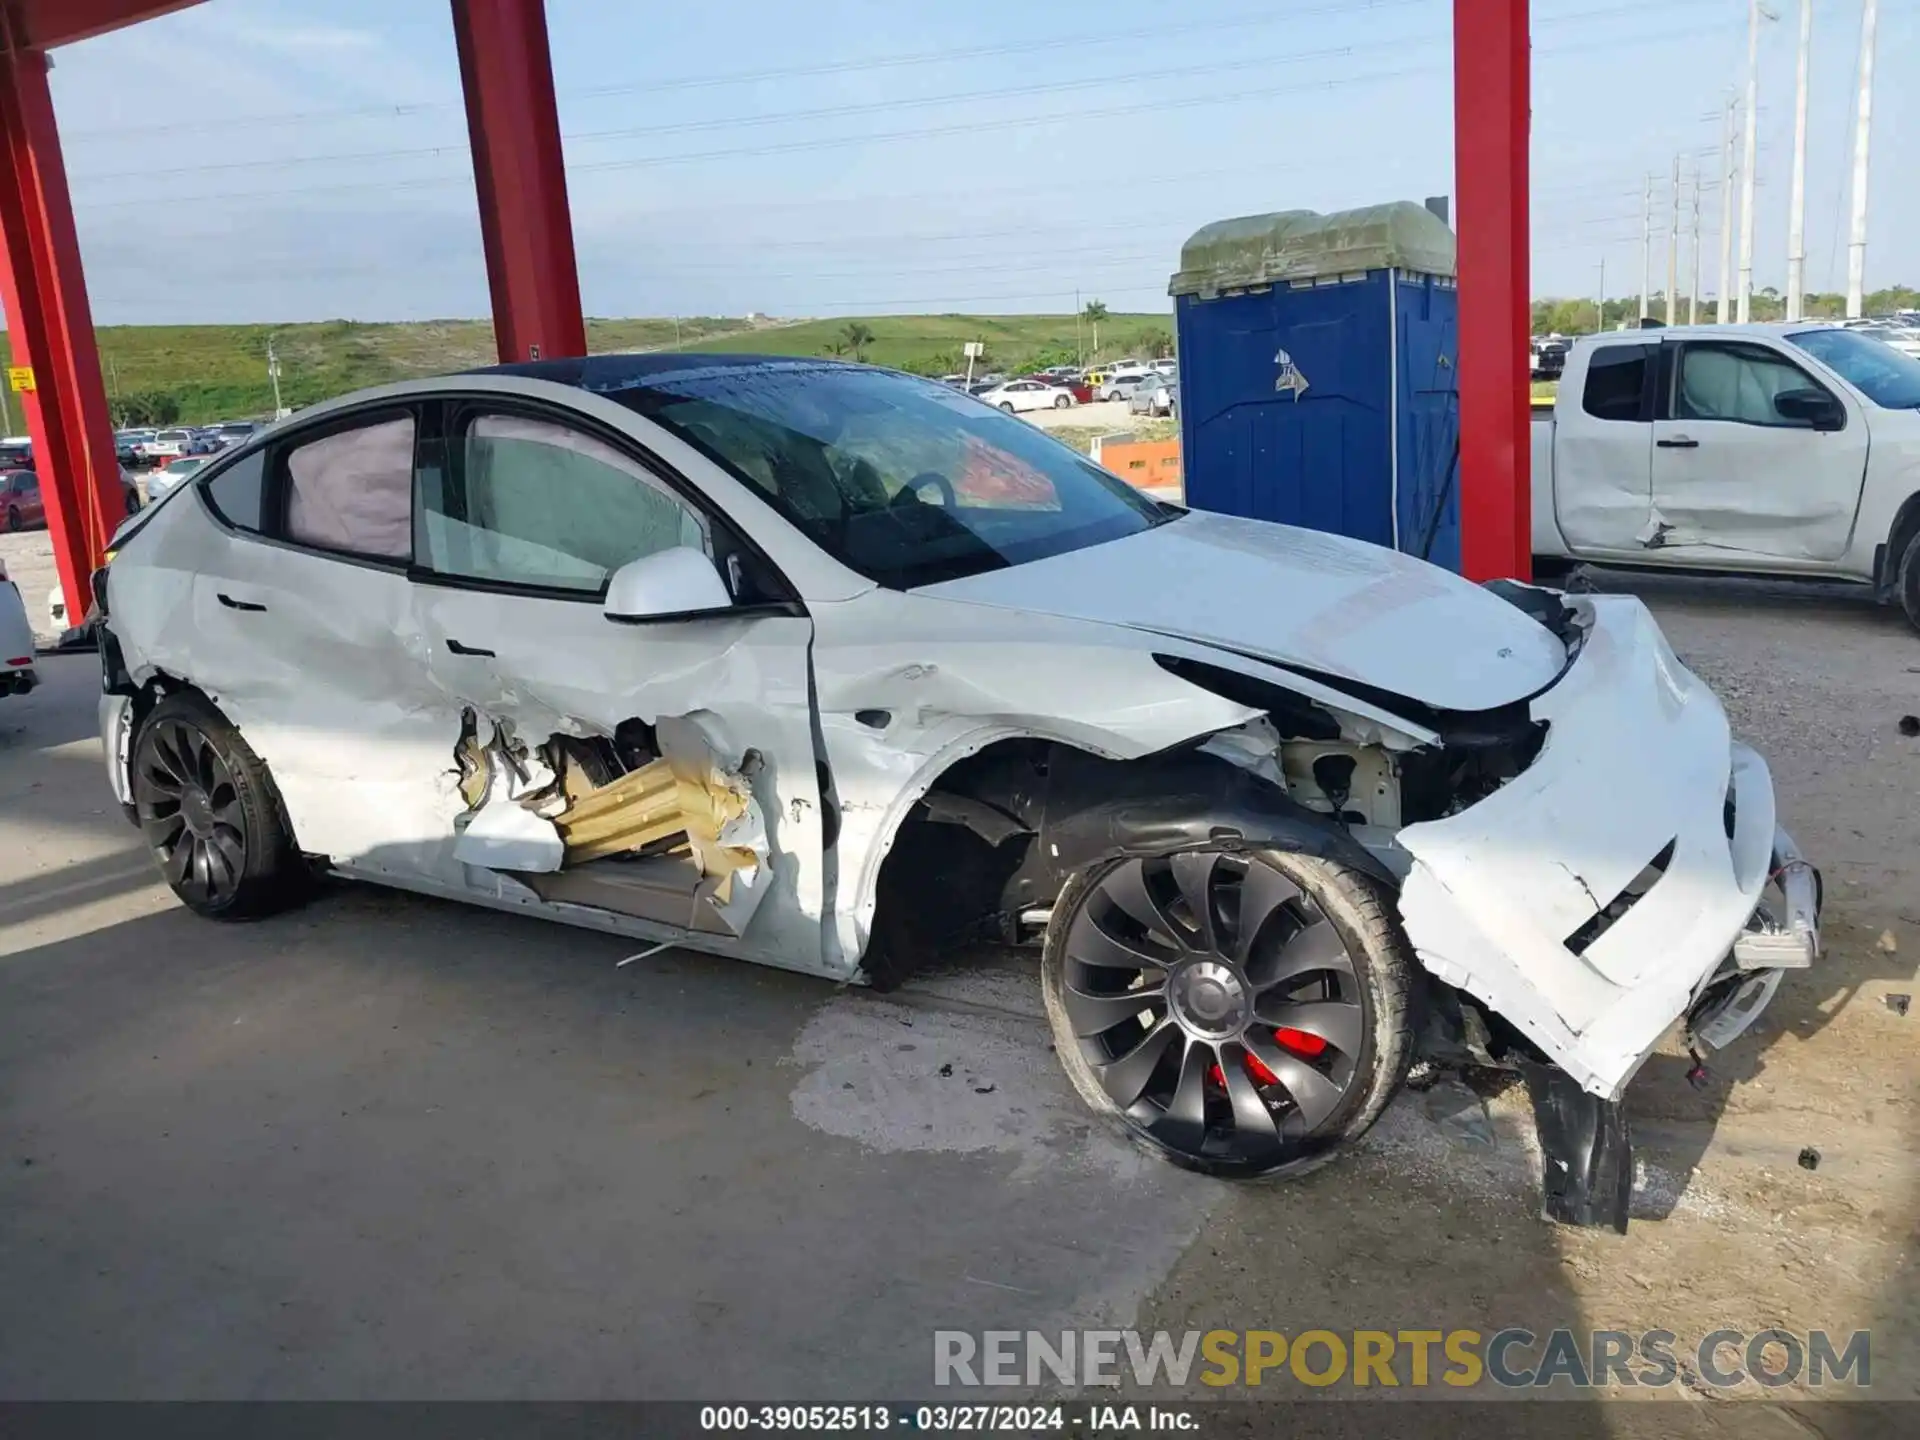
(520,178)
(1490,121)
(50,325)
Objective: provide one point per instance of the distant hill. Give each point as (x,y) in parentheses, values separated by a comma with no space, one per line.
(195,373)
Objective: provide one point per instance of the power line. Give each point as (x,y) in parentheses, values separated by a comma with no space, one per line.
(799,146)
(668,84)
(673,83)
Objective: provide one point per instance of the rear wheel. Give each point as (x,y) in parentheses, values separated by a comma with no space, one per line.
(13,519)
(1239,1014)
(209,812)
(1061,402)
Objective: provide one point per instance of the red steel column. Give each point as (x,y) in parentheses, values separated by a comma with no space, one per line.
(1490,123)
(51,327)
(520,178)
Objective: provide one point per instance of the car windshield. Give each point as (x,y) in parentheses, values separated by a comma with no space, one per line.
(1873,367)
(894,476)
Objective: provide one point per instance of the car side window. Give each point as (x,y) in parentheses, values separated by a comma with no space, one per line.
(352,490)
(531,502)
(237,493)
(1616,379)
(1720,381)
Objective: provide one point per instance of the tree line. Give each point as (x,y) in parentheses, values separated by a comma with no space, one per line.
(1580,316)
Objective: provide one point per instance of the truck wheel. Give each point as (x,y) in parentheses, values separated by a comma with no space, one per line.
(1907,580)
(1238,1014)
(210,814)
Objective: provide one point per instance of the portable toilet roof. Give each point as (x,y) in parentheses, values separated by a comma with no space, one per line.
(1305,245)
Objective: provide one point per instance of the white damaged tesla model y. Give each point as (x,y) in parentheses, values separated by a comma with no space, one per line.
(828,667)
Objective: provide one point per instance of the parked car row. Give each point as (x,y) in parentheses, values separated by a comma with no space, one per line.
(143,447)
(1058,387)
(1901,333)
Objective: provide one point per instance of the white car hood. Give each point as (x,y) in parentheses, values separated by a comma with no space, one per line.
(1296,597)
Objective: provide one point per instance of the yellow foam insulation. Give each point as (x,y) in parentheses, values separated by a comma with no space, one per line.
(654,803)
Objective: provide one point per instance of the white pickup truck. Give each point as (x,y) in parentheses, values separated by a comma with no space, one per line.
(1787,450)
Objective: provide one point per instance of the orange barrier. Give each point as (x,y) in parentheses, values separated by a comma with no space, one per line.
(1147,464)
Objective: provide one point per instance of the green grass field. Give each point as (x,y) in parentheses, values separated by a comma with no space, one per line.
(217,372)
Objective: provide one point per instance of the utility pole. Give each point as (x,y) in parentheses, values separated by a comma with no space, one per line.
(1725,313)
(1079,349)
(1746,179)
(1673,247)
(1857,251)
(1646,248)
(1693,287)
(273,374)
(1797,216)
(1600,305)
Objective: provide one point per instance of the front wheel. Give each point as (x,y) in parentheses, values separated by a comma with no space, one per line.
(210,815)
(1907,580)
(1007,405)
(1238,1014)
(13,519)
(1061,402)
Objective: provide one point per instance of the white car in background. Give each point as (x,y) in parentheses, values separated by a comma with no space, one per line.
(168,443)
(825,667)
(17,675)
(1017,395)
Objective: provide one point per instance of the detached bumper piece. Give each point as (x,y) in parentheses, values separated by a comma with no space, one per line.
(1785,933)
(1586,1154)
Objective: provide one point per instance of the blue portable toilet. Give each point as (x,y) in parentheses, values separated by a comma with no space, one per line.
(1317,374)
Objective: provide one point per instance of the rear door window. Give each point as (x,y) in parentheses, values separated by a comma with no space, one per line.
(1617,382)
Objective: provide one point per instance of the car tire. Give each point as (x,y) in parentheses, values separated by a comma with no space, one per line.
(1906,582)
(13,519)
(1007,405)
(1327,954)
(1061,402)
(210,813)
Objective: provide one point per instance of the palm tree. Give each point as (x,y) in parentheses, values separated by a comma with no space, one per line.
(1095,312)
(857,336)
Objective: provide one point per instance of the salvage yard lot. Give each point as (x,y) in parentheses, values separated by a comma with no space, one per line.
(388,1147)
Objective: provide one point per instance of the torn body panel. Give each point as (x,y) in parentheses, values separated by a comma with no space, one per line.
(663,832)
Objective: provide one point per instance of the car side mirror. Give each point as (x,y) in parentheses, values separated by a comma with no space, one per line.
(667,584)
(1810,407)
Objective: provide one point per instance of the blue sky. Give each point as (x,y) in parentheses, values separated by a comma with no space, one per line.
(278,160)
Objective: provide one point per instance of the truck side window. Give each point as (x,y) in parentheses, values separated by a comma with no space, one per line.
(1720,381)
(1616,380)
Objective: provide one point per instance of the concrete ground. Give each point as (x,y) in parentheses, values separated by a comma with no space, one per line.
(386,1147)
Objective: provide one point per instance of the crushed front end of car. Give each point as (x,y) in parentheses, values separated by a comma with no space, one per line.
(1629,873)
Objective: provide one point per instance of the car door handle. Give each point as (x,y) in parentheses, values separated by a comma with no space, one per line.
(233,604)
(457,648)
(1678,442)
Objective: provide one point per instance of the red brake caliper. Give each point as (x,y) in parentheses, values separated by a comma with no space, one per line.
(1298,1042)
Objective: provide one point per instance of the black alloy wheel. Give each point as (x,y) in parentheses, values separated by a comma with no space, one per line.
(189,809)
(210,813)
(1212,1003)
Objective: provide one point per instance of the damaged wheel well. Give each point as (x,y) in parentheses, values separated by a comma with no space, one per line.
(1000,831)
